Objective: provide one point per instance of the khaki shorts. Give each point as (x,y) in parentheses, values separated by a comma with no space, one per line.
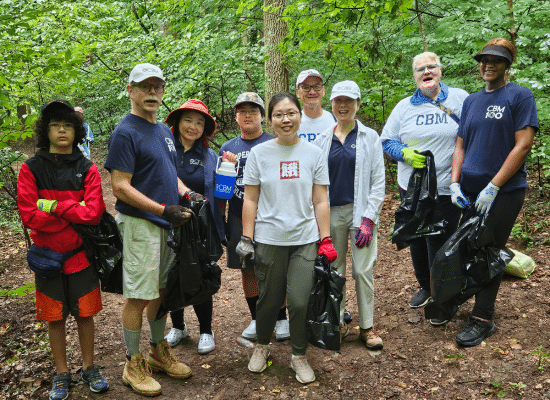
(147,259)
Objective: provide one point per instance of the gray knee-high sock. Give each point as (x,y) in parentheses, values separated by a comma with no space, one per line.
(157,329)
(131,338)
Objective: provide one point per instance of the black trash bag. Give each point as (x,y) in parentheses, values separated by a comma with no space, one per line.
(415,216)
(194,277)
(209,243)
(469,260)
(103,245)
(323,310)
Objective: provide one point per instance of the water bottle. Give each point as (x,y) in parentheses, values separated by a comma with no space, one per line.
(226,174)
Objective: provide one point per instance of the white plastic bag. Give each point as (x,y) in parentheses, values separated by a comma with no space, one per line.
(521,265)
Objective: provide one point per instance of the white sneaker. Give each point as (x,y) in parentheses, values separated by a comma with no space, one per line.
(282,329)
(250,332)
(258,361)
(304,373)
(206,343)
(176,335)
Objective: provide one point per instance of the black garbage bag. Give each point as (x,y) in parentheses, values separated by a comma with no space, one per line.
(103,245)
(195,276)
(469,260)
(416,217)
(323,311)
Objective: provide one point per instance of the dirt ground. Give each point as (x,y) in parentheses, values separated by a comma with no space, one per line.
(418,361)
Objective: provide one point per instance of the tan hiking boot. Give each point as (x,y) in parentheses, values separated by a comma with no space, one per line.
(163,359)
(137,375)
(371,339)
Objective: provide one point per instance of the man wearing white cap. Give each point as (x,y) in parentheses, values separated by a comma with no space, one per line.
(142,162)
(310,89)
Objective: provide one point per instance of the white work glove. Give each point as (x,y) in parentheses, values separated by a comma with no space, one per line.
(486,198)
(245,248)
(457,197)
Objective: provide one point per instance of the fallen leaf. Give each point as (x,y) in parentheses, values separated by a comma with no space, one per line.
(205,366)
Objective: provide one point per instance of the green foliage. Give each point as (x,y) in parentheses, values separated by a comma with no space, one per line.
(543,358)
(19,292)
(496,389)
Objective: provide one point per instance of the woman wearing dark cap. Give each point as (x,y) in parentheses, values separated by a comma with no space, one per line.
(196,166)
(496,132)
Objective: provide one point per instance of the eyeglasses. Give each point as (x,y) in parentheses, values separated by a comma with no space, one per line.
(493,60)
(146,88)
(317,87)
(290,115)
(58,125)
(250,111)
(429,68)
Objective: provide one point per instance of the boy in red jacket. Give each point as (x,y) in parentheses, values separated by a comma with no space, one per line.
(56,187)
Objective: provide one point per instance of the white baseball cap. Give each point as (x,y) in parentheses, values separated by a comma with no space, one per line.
(346,88)
(144,71)
(302,76)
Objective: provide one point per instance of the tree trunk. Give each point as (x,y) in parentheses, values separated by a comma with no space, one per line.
(512,31)
(275,29)
(419,15)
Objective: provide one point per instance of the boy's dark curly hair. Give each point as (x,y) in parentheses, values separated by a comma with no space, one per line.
(58,112)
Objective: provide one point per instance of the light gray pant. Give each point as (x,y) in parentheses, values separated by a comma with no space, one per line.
(284,271)
(363,260)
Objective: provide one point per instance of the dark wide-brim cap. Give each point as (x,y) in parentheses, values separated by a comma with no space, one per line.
(494,50)
(59,103)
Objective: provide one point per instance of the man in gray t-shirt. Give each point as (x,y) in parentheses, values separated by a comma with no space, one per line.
(310,89)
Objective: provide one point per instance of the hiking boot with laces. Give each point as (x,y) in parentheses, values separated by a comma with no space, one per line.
(371,339)
(60,386)
(96,381)
(258,361)
(304,373)
(138,376)
(420,299)
(164,360)
(475,332)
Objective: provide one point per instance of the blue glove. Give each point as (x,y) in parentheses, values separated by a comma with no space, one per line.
(486,198)
(457,197)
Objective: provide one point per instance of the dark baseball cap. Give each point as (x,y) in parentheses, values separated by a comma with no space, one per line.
(494,50)
(58,102)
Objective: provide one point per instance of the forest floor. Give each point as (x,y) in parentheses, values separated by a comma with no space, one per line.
(418,361)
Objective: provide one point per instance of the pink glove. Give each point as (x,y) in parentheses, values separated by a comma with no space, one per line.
(327,249)
(363,237)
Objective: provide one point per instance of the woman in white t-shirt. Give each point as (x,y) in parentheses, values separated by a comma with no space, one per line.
(285,213)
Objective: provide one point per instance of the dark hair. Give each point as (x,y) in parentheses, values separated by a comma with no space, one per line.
(207,125)
(280,97)
(59,112)
(262,111)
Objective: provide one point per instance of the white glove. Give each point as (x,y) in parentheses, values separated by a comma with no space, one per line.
(486,198)
(245,248)
(457,197)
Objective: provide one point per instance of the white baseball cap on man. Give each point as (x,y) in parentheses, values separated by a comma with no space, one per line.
(144,71)
(302,76)
(346,88)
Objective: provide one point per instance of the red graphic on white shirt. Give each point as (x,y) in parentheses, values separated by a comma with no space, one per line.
(290,169)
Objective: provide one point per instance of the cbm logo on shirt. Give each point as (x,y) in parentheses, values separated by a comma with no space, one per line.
(431,119)
(290,169)
(170,143)
(495,112)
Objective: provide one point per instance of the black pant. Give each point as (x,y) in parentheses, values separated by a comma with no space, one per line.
(204,315)
(505,210)
(423,250)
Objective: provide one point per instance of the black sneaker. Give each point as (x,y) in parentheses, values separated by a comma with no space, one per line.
(475,332)
(420,298)
(438,321)
(347,316)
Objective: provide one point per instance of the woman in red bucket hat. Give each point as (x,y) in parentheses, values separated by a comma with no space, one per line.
(192,125)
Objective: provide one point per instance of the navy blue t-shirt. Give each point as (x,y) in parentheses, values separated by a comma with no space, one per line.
(190,165)
(146,151)
(487,126)
(241,147)
(341,169)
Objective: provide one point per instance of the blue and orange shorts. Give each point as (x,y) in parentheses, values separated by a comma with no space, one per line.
(77,294)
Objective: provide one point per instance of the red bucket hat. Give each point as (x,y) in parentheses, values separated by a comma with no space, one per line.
(196,105)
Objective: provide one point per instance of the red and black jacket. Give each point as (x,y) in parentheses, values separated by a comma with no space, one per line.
(69,179)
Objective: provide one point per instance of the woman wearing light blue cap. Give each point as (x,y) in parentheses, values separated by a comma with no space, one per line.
(356,194)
